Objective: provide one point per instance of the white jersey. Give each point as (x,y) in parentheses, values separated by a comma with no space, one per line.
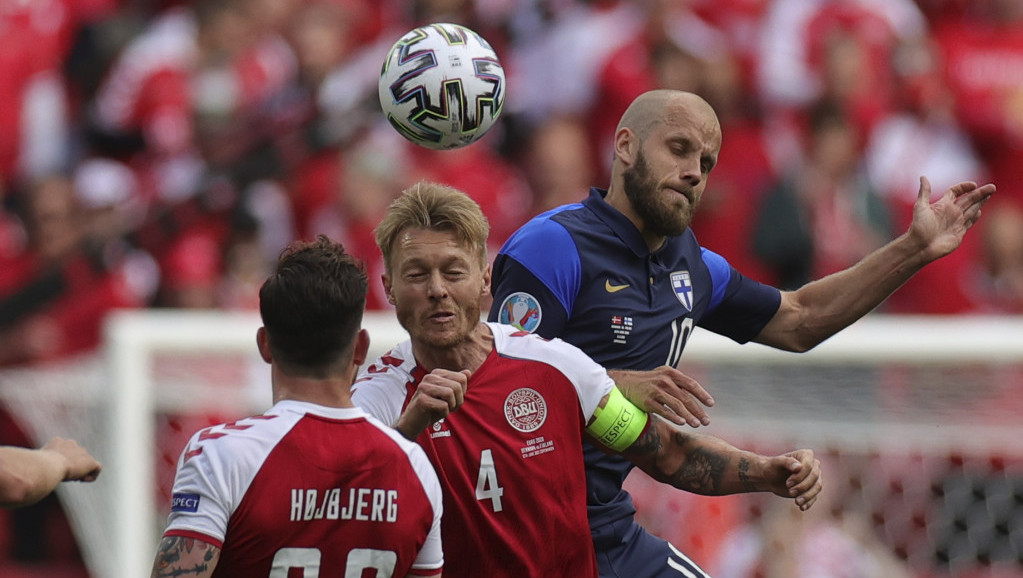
(307,486)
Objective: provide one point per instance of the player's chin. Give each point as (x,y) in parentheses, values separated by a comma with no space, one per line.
(443,335)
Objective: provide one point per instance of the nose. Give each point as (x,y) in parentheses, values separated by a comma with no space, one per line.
(436,288)
(689,170)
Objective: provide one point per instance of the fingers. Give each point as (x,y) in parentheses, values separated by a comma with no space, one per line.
(680,408)
(91,476)
(965,195)
(806,481)
(692,386)
(924,194)
(438,394)
(443,387)
(958,191)
(679,398)
(79,462)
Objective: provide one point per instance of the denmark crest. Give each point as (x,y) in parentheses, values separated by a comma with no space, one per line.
(525,409)
(683,287)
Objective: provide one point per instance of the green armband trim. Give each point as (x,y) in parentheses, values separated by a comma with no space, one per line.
(619,423)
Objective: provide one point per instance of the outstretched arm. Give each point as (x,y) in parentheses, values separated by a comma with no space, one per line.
(179,556)
(27,475)
(698,463)
(821,308)
(707,465)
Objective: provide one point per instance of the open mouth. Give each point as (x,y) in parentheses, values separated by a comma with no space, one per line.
(442,316)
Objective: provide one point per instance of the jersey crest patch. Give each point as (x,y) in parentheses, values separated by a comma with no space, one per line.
(525,409)
(520,310)
(683,287)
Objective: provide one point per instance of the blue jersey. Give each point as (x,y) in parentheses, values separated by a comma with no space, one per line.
(583,273)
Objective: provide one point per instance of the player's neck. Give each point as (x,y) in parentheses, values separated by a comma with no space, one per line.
(616,198)
(468,354)
(329,392)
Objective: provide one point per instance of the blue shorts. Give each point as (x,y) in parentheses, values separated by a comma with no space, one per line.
(626,550)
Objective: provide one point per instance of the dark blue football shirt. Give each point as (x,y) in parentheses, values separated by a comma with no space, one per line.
(583,273)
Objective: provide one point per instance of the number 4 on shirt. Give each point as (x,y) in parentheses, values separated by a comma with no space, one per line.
(486,483)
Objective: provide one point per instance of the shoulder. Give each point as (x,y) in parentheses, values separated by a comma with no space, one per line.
(394,368)
(542,233)
(588,378)
(237,446)
(382,386)
(513,343)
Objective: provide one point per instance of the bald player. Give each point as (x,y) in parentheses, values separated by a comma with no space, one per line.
(621,276)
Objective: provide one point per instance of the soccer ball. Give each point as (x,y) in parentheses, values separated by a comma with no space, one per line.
(442,86)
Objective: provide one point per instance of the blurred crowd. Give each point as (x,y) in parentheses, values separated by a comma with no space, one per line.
(159,153)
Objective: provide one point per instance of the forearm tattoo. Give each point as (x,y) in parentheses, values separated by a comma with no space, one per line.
(744,475)
(701,472)
(649,442)
(175,553)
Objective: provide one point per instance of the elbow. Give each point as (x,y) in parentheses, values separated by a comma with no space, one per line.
(799,339)
(803,345)
(16,491)
(792,342)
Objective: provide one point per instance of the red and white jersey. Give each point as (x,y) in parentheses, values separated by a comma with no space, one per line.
(329,490)
(510,458)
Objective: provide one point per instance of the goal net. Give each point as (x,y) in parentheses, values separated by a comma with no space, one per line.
(917,422)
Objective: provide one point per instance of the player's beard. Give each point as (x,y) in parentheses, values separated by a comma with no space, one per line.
(419,327)
(659,217)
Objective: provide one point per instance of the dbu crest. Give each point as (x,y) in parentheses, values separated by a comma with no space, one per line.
(525,409)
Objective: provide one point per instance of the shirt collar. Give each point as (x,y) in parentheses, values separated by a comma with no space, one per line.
(622,227)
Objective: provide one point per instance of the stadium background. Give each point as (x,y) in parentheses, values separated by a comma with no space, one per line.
(157,155)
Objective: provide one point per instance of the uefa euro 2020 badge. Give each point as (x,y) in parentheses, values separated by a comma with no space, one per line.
(520,310)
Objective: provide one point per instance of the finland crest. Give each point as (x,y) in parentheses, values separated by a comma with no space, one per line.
(683,287)
(520,310)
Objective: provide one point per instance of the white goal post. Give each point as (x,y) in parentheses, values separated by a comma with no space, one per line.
(925,387)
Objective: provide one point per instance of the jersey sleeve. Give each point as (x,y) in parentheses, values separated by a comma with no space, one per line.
(431,556)
(740,307)
(536,278)
(380,389)
(200,501)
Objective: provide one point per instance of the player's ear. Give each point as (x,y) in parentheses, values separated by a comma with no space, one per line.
(386,280)
(485,290)
(263,343)
(625,145)
(361,349)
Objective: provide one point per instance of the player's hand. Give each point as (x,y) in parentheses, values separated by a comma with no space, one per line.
(438,394)
(796,475)
(81,466)
(667,392)
(941,225)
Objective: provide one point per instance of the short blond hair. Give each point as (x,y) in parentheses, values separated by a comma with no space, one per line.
(437,207)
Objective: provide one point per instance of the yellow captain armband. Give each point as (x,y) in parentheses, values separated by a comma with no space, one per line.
(619,423)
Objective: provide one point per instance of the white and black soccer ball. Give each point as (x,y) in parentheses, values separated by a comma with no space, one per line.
(442,86)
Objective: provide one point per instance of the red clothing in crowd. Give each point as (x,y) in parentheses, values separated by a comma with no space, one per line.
(984,68)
